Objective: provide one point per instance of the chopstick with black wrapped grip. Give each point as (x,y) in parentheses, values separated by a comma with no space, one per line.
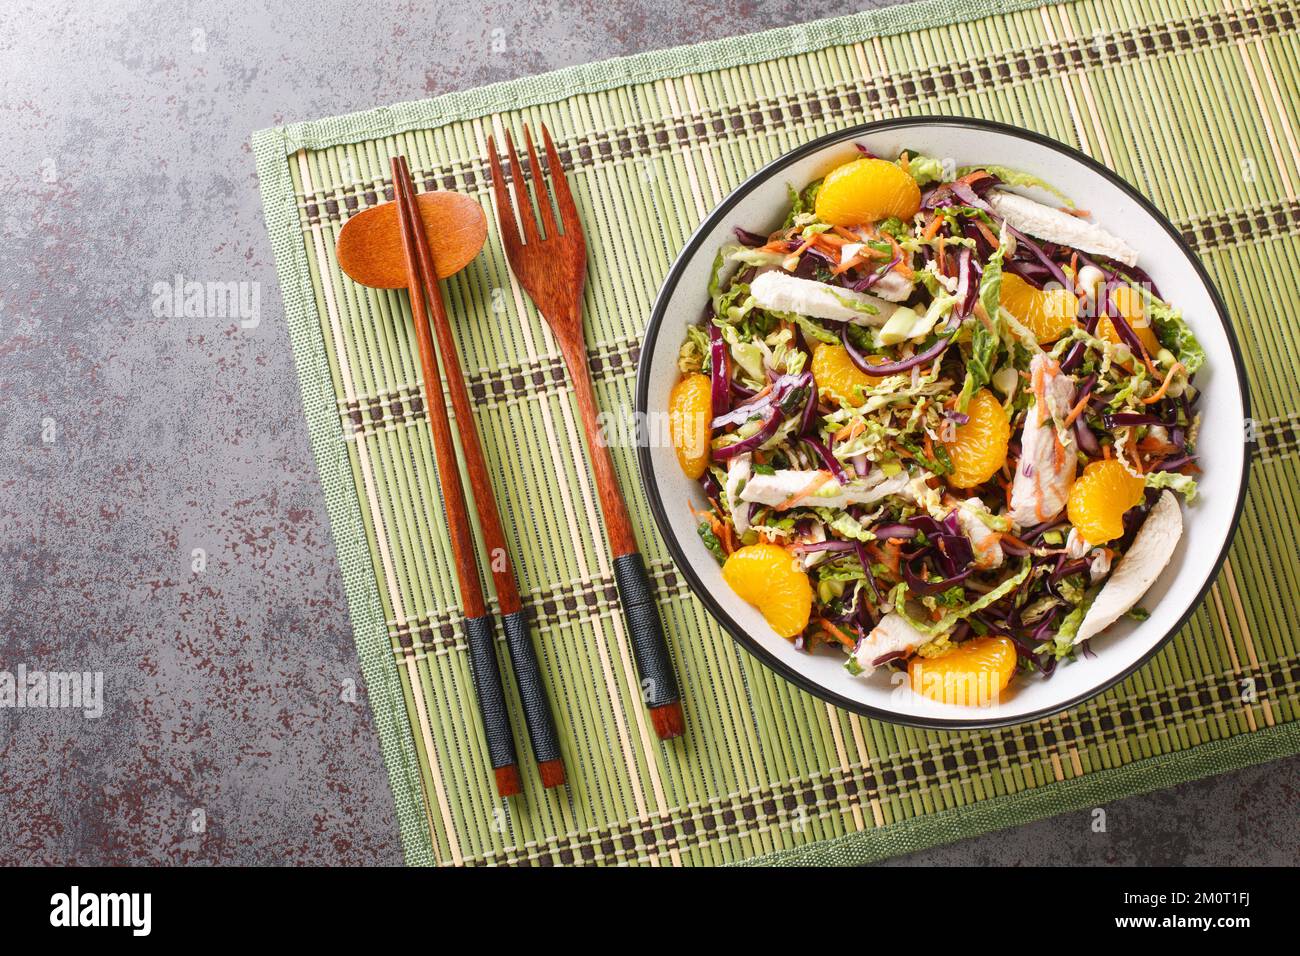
(478,625)
(523,656)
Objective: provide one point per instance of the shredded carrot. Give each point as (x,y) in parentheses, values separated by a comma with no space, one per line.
(890,554)
(721,529)
(902,268)
(1133,452)
(987,233)
(1038,496)
(863,255)
(1006,489)
(850,431)
(804,245)
(836,633)
(808,489)
(1077,410)
(1105,451)
(1164,386)
(864,234)
(1012,540)
(904,161)
(942,258)
(1155,447)
(932,227)
(1039,386)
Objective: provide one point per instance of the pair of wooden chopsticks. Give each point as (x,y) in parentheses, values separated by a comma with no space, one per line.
(426,302)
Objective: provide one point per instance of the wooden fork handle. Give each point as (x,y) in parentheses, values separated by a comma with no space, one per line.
(646,632)
(618,526)
(640,610)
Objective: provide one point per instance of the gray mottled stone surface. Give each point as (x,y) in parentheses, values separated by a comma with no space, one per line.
(130,437)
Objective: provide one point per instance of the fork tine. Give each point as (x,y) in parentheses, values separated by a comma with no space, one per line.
(563,198)
(540,187)
(521,193)
(505,208)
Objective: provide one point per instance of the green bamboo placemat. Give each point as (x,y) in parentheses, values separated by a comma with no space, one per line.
(1194,101)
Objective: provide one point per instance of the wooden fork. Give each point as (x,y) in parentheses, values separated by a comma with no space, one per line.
(552,269)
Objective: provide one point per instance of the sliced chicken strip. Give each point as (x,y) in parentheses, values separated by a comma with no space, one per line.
(790,488)
(894,634)
(1152,548)
(782,292)
(1053,225)
(1046,468)
(894,287)
(985,542)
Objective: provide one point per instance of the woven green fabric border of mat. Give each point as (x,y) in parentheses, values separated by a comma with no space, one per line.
(1193,101)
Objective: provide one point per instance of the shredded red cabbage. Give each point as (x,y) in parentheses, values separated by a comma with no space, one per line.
(771,422)
(892,368)
(832,464)
(862,285)
(719,371)
(1024,241)
(917,585)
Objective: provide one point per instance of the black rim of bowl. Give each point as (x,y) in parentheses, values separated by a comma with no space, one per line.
(701,590)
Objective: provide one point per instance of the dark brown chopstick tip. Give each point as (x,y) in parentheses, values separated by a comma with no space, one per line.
(508,782)
(552,772)
(668,720)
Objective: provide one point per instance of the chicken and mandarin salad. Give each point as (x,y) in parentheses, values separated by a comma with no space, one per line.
(939,425)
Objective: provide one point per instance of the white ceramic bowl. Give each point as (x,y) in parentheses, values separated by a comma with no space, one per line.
(760,204)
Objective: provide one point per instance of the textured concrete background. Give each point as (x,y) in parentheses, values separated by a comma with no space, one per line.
(130,439)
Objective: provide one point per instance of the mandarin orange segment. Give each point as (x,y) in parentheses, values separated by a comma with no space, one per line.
(1048,313)
(768,577)
(979,448)
(690,412)
(837,376)
(1099,499)
(1129,303)
(867,190)
(973,673)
